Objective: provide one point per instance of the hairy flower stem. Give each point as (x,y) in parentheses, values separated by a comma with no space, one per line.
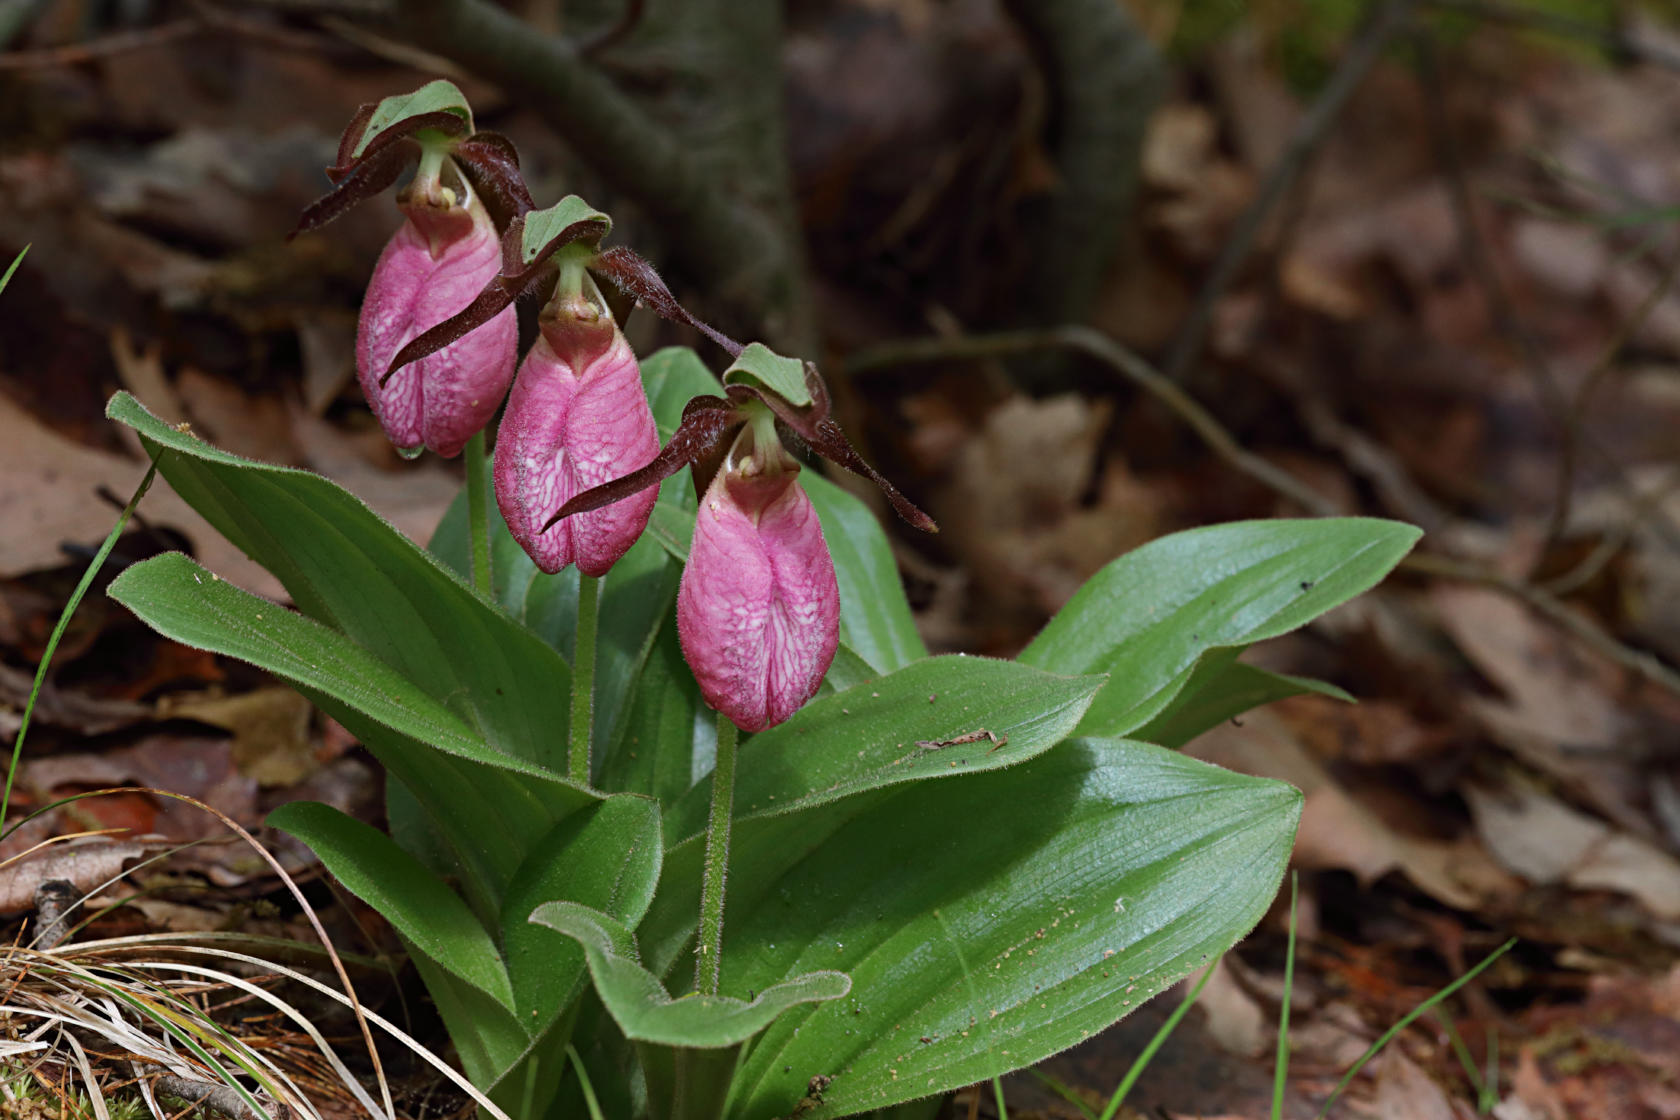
(583,678)
(64,624)
(478,508)
(717,859)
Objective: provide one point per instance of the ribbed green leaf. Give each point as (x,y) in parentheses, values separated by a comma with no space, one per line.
(942,717)
(986,922)
(430,916)
(1222,688)
(1147,617)
(668,737)
(347,568)
(645,1011)
(608,858)
(488,1038)
(489,806)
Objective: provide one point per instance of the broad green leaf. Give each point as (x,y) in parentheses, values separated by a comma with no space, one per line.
(1222,688)
(488,1037)
(673,528)
(484,817)
(185,602)
(848,670)
(347,568)
(674,376)
(667,737)
(543,226)
(942,717)
(986,923)
(608,858)
(430,916)
(874,614)
(488,805)
(645,1011)
(762,368)
(438,96)
(1147,617)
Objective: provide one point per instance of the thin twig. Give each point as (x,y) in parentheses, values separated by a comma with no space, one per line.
(1613,349)
(1309,133)
(120,42)
(1220,440)
(216,1097)
(1129,365)
(206,18)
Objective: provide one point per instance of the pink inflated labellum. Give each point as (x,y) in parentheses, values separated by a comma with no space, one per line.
(444,254)
(578,417)
(758,611)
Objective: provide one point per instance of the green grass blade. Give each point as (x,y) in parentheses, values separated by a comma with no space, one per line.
(1141,1062)
(1463,1052)
(1490,1083)
(1063,1091)
(64,623)
(1409,1018)
(13,267)
(1280,1074)
(589,1100)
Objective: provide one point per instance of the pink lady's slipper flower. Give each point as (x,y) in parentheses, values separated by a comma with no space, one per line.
(438,262)
(758,611)
(578,417)
(759,608)
(466,188)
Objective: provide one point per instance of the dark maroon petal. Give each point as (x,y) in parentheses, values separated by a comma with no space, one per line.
(827,440)
(631,273)
(496,297)
(353,132)
(814,425)
(362,182)
(705,423)
(490,163)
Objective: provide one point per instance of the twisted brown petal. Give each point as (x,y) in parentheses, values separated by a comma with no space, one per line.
(705,424)
(633,274)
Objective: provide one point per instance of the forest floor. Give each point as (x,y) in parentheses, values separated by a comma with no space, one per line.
(1460,314)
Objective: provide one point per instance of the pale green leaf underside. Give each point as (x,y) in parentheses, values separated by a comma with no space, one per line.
(760,366)
(645,1011)
(543,226)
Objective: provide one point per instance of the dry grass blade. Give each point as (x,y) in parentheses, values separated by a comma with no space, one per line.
(156,942)
(122,1012)
(388,1109)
